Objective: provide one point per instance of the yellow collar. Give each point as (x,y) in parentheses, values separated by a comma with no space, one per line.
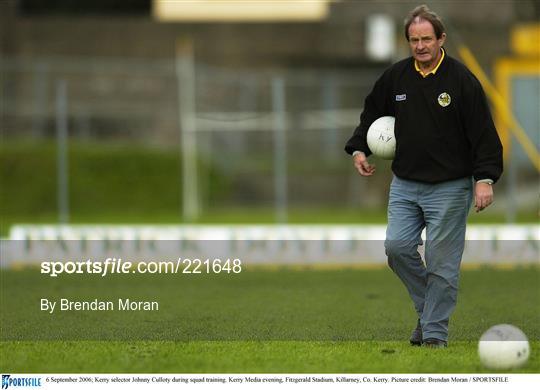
(434,70)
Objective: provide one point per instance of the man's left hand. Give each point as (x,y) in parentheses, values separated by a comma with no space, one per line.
(483,196)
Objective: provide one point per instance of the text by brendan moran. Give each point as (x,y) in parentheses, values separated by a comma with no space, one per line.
(121,304)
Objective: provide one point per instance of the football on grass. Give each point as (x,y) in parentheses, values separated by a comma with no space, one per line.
(503,347)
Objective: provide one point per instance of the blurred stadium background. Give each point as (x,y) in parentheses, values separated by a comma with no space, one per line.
(216,111)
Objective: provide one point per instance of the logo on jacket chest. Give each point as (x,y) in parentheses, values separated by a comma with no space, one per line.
(401,97)
(444,99)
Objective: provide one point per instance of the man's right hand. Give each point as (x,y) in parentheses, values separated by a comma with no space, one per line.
(362,165)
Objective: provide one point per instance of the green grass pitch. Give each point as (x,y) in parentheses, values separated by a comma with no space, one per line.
(345,320)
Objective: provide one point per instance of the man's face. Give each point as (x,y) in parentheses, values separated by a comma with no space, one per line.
(423,43)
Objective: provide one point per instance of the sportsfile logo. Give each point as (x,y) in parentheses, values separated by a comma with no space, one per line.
(9,381)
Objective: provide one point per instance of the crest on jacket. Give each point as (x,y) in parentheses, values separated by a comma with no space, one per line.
(444,99)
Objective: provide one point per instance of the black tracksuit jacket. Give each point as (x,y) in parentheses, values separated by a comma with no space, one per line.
(434,142)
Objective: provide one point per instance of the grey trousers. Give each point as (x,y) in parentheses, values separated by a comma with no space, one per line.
(442,209)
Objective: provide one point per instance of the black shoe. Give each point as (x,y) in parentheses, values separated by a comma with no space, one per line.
(435,343)
(416,336)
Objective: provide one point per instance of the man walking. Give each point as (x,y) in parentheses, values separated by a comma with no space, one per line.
(448,152)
